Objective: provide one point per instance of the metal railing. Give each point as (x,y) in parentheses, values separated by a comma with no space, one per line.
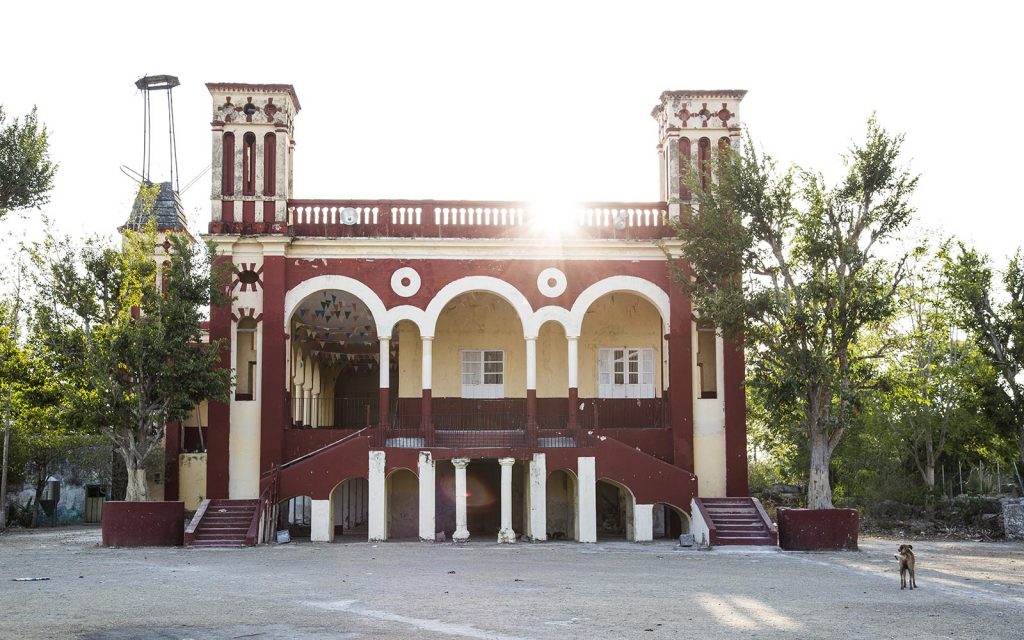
(332,412)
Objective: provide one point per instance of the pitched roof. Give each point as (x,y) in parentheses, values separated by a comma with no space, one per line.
(166,209)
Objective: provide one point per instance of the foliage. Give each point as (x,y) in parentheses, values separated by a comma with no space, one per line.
(792,265)
(26,173)
(995,326)
(134,351)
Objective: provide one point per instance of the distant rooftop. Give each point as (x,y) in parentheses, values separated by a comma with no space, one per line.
(166,209)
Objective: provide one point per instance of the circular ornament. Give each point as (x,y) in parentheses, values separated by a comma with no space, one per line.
(551,282)
(405,282)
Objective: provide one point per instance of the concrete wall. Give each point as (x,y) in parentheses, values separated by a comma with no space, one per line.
(192,479)
(618,320)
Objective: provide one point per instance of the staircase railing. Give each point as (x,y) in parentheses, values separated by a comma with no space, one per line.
(190,530)
(264,517)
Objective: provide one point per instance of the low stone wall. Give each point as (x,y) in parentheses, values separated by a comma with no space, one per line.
(143,524)
(1013,518)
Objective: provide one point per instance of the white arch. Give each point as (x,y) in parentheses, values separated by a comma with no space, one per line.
(500,288)
(366,295)
(628,284)
(403,312)
(552,313)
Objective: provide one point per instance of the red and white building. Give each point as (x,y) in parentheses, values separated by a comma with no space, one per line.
(406,368)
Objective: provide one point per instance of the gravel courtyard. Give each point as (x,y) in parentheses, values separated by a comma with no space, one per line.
(482,590)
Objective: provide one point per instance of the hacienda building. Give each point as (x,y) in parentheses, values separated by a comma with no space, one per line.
(446,369)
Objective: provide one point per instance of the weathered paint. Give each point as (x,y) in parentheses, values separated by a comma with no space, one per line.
(377,498)
(321,520)
(586,501)
(427,514)
(192,479)
(537,495)
(506,534)
(643,523)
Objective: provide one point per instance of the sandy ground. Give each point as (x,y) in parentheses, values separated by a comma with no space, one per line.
(482,590)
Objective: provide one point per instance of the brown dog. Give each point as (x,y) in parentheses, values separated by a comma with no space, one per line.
(906,558)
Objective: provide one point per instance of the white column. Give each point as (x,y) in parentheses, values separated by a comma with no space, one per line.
(377,505)
(574,361)
(506,534)
(427,343)
(586,503)
(643,522)
(314,421)
(538,498)
(461,531)
(385,362)
(427,518)
(531,363)
(321,521)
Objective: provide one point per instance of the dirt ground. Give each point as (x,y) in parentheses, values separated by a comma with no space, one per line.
(482,590)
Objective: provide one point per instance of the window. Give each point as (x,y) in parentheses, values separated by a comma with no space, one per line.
(249,164)
(227,170)
(483,374)
(625,373)
(707,360)
(245,363)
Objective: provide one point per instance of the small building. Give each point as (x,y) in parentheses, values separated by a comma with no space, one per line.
(411,368)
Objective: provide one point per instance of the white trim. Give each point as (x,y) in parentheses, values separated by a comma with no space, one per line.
(488,284)
(405,290)
(552,290)
(629,284)
(366,295)
(552,313)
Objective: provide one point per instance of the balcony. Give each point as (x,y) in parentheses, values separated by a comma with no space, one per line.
(458,423)
(458,219)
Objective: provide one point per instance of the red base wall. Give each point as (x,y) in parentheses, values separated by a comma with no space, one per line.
(143,524)
(817,529)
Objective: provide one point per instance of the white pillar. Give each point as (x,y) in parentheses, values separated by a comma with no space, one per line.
(461,531)
(506,534)
(538,498)
(427,518)
(427,343)
(377,505)
(531,363)
(315,420)
(586,503)
(574,361)
(643,522)
(321,521)
(385,362)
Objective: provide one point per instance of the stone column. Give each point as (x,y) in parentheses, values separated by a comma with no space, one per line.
(426,467)
(506,534)
(427,423)
(376,499)
(643,522)
(321,521)
(586,487)
(384,397)
(538,498)
(461,531)
(573,376)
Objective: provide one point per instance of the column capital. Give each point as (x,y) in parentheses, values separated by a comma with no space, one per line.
(572,338)
(427,338)
(460,463)
(530,338)
(506,462)
(384,338)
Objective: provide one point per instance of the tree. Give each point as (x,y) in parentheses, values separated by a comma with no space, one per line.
(26,173)
(996,326)
(791,266)
(136,351)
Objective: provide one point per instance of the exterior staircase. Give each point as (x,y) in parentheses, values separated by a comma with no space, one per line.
(735,521)
(222,523)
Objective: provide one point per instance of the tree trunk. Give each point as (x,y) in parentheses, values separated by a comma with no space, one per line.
(819,490)
(138,491)
(929,463)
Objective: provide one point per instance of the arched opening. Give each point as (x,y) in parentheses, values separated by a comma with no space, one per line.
(406,383)
(403,505)
(552,381)
(669,521)
(479,373)
(562,506)
(704,160)
(614,511)
(351,512)
(269,164)
(335,368)
(483,498)
(295,515)
(249,164)
(620,364)
(684,167)
(227,171)
(246,364)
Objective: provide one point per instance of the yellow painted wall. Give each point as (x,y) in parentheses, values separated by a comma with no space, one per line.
(245,352)
(552,362)
(244,451)
(478,321)
(410,360)
(618,320)
(192,479)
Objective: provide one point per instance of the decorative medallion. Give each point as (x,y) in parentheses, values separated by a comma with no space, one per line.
(405,282)
(551,282)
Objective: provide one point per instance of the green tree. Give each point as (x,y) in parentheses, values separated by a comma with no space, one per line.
(137,351)
(792,266)
(26,173)
(993,318)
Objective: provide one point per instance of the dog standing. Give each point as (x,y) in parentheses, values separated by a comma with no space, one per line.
(906,559)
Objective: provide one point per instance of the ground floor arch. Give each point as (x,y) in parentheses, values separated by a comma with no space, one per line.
(614,509)
(294,515)
(350,508)
(668,521)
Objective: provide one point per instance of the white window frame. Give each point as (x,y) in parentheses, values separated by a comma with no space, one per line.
(625,372)
(482,373)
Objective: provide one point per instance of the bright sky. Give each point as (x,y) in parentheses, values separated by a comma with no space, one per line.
(524,100)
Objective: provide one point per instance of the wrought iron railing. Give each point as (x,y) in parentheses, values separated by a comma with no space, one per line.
(326,412)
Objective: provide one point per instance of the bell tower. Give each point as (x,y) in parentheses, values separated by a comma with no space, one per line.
(692,127)
(253,142)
